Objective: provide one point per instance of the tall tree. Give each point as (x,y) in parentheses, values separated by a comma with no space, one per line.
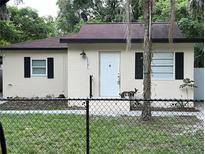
(73,13)
(3,2)
(172,20)
(3,10)
(28,21)
(24,24)
(4,13)
(148,7)
(137,9)
(67,18)
(146,111)
(114,7)
(197,8)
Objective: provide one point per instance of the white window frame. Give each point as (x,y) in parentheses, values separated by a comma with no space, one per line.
(164,79)
(38,75)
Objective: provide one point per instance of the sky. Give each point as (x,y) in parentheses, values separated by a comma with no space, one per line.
(44,7)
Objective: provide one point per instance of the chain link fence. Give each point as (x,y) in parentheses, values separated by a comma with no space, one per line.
(102,126)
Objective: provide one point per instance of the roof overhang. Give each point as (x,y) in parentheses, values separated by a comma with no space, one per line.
(13,48)
(114,40)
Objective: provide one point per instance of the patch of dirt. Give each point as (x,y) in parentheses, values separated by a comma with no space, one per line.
(166,109)
(38,105)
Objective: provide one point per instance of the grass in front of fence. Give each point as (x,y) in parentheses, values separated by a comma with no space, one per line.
(36,133)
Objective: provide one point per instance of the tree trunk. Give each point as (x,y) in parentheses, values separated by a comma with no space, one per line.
(146,111)
(3,2)
(172,20)
(4,14)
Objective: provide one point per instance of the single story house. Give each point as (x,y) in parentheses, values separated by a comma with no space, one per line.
(62,65)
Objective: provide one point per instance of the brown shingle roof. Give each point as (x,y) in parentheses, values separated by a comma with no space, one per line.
(117,33)
(48,43)
(104,33)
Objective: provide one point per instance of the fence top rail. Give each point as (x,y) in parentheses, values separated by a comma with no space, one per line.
(99,99)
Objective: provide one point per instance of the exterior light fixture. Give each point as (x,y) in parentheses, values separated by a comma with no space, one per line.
(83,54)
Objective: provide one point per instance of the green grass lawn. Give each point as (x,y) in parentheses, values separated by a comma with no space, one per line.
(36,133)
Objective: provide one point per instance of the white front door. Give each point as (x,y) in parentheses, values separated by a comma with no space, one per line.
(109,74)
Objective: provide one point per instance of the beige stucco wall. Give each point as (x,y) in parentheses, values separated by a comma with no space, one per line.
(79,71)
(71,71)
(14,83)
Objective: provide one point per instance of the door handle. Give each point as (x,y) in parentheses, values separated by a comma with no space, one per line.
(118,81)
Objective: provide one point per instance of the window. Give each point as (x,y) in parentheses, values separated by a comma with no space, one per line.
(162,66)
(39,67)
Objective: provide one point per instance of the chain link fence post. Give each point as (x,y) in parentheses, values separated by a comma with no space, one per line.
(2,140)
(87,128)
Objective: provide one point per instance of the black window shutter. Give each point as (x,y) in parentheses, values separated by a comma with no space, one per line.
(50,68)
(139,65)
(27,67)
(179,65)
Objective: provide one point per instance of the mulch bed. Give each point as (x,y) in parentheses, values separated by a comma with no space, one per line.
(38,105)
(166,109)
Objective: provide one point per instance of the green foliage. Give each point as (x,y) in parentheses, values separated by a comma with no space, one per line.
(115,10)
(28,21)
(199,55)
(67,18)
(51,26)
(137,9)
(190,27)
(70,18)
(25,24)
(4,12)
(9,33)
(161,11)
(78,25)
(188,83)
(196,8)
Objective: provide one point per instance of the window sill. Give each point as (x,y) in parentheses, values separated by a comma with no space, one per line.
(38,75)
(162,79)
(159,79)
